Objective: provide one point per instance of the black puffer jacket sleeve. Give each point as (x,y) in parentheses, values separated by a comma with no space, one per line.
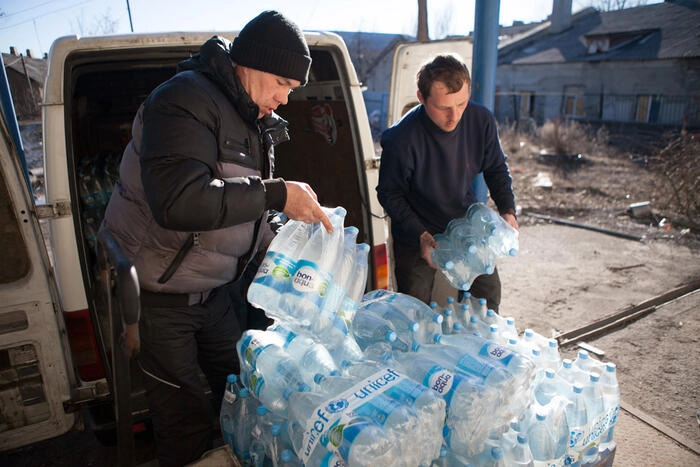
(179,157)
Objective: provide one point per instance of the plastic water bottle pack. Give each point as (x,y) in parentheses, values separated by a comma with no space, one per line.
(346,379)
(471,244)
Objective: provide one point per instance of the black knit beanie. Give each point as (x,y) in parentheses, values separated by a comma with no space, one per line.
(270,42)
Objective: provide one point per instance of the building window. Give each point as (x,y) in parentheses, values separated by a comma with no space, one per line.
(643,108)
(573,101)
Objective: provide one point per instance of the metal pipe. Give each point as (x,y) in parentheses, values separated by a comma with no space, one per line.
(484,61)
(583,226)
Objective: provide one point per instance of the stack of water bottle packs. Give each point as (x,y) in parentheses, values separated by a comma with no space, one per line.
(471,244)
(342,379)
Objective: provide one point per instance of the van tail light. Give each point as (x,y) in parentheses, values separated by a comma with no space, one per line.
(381,267)
(83,345)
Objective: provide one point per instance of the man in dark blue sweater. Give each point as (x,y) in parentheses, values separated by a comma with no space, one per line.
(429,161)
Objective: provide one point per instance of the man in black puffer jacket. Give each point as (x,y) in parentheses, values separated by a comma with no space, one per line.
(190,209)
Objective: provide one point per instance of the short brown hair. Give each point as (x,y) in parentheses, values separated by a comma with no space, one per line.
(445,68)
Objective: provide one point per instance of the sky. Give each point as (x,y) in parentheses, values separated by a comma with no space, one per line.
(35,24)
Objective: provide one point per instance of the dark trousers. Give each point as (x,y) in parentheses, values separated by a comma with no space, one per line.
(415,277)
(176,343)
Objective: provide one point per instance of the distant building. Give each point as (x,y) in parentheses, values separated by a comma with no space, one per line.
(637,65)
(25,75)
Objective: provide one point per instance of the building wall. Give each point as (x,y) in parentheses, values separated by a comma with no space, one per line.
(662,91)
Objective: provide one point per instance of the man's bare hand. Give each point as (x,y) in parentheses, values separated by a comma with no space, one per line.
(510,218)
(302,204)
(427,244)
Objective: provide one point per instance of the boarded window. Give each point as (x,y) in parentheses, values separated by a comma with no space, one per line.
(573,101)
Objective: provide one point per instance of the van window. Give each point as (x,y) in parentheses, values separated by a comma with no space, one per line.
(15,255)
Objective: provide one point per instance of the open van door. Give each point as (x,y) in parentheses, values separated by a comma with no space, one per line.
(35,371)
(408,59)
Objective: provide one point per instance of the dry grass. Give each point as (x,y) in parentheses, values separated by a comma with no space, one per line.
(597,173)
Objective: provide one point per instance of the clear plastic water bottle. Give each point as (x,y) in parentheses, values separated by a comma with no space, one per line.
(464,314)
(595,409)
(520,455)
(274,375)
(365,444)
(508,329)
(542,441)
(347,351)
(491,456)
(584,363)
(568,373)
(314,269)
(310,355)
(431,411)
(549,386)
(450,303)
(496,353)
(357,284)
(369,328)
(462,360)
(337,288)
(476,326)
(550,355)
(480,307)
(274,274)
(577,419)
(448,320)
(260,437)
(444,256)
(289,459)
(243,412)
(449,459)
(227,418)
(467,401)
(611,402)
(397,421)
(404,325)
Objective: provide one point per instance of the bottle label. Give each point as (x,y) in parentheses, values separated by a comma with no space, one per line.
(596,429)
(310,282)
(378,409)
(496,352)
(444,382)
(275,269)
(474,366)
(333,415)
(439,380)
(406,392)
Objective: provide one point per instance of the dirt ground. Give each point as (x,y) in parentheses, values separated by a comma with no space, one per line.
(566,276)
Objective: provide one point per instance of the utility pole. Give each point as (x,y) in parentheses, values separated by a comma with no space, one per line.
(128,9)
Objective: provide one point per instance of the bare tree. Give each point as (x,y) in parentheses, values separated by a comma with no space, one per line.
(422,33)
(443,23)
(100,25)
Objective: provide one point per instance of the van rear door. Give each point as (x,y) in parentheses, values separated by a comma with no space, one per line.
(408,59)
(35,371)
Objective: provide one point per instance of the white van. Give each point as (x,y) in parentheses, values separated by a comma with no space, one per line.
(57,368)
